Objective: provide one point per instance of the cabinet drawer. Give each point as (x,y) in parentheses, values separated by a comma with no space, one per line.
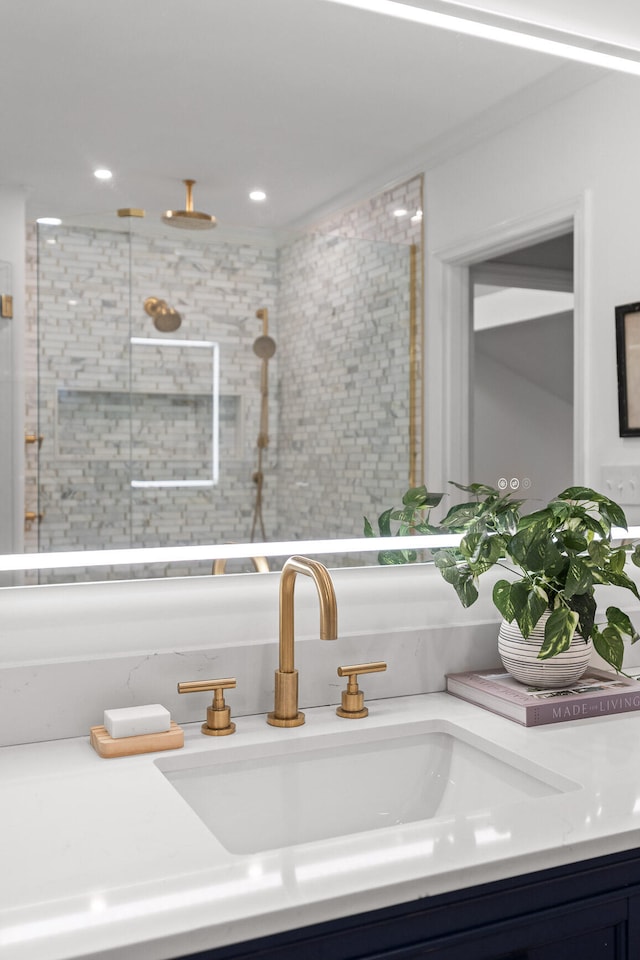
(594,931)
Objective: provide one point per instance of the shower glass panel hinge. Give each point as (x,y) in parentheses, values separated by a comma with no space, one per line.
(6,305)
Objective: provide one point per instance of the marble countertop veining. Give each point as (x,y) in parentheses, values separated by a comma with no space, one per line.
(104,859)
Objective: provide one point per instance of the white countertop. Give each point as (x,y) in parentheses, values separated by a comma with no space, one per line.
(104,859)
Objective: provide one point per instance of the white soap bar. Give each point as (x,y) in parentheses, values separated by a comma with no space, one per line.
(135,721)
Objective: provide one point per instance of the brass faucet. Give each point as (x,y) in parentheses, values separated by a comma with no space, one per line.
(285,712)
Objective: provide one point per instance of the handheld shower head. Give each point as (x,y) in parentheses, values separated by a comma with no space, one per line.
(189,219)
(265,346)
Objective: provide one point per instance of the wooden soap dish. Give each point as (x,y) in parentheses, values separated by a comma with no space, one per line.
(107,747)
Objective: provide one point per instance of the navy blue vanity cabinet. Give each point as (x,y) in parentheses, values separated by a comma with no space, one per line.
(588,911)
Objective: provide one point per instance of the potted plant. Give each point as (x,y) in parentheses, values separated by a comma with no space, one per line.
(554,560)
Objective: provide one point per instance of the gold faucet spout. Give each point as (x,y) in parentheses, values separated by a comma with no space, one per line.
(285,712)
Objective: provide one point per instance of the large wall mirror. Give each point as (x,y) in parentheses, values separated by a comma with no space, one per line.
(311,300)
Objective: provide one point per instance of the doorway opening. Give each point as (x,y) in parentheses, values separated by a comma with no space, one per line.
(521,434)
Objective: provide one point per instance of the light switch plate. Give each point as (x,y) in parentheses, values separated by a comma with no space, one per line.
(622,483)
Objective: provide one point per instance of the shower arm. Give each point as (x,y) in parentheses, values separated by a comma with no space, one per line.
(188,203)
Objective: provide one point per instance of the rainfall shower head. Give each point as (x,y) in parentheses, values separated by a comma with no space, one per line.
(189,219)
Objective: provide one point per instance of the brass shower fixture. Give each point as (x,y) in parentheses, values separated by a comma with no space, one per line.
(189,219)
(164,317)
(264,348)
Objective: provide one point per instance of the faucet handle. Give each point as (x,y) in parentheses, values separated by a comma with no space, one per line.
(218,722)
(353,707)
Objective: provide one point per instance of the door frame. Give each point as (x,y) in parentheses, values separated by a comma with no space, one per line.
(448,414)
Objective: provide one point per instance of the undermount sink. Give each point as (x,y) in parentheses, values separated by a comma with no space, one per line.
(298,791)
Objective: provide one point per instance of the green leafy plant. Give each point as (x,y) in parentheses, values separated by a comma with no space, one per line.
(555,559)
(412,518)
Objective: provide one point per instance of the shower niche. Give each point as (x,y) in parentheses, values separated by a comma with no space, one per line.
(106,426)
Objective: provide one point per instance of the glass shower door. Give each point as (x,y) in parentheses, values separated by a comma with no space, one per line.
(83,360)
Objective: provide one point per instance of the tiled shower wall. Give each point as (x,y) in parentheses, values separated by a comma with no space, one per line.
(110,412)
(343,384)
(343,402)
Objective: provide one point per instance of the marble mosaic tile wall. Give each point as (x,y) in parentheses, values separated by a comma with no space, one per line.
(343,391)
(343,403)
(380,219)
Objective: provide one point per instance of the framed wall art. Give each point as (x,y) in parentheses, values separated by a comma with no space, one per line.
(628,353)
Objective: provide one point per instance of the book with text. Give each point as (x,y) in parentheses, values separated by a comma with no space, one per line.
(596,694)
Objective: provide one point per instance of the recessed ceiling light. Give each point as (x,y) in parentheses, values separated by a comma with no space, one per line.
(102,174)
(257,195)
(417,217)
(72,303)
(49,221)
(400,212)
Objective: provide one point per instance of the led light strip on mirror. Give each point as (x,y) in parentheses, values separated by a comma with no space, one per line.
(239,551)
(490,26)
(216,551)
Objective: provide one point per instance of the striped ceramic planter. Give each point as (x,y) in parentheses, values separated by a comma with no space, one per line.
(520,656)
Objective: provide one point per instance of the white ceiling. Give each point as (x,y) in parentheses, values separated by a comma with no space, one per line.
(306,99)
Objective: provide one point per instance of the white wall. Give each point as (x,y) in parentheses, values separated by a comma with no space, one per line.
(520,432)
(582,149)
